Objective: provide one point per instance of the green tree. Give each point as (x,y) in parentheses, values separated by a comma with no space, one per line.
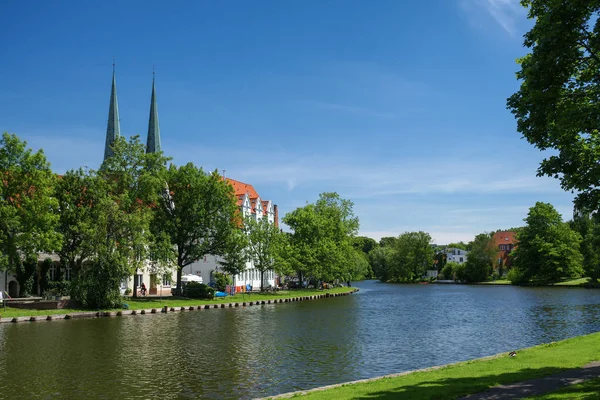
(381,259)
(263,245)
(78,194)
(413,256)
(588,226)
(548,249)
(236,255)
(199,214)
(122,239)
(556,106)
(480,259)
(320,245)
(28,211)
(458,245)
(388,241)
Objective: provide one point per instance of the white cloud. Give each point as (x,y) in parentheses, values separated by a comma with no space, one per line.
(509,14)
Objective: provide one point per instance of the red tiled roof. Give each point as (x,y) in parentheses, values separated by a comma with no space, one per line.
(505,237)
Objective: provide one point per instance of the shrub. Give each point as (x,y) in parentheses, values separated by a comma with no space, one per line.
(221,281)
(60,288)
(516,276)
(448,271)
(197,290)
(128,291)
(460,272)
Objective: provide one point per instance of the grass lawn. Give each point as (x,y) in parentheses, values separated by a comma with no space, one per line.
(156,302)
(573,282)
(496,282)
(586,390)
(464,378)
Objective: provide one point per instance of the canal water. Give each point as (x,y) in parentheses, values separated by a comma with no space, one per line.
(266,350)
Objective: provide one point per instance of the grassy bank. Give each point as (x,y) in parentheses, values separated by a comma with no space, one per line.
(469,377)
(588,390)
(157,302)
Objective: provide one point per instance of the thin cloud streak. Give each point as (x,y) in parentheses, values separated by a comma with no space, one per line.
(507,13)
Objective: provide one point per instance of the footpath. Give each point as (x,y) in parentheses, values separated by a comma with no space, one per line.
(539,386)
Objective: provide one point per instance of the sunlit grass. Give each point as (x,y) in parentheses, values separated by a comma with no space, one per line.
(573,282)
(469,377)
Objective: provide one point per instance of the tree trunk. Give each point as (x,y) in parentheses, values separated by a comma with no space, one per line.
(262,280)
(179,288)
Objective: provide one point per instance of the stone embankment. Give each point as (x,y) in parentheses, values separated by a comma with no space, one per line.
(166,309)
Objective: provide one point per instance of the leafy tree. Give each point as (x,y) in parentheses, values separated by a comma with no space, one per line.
(382,260)
(78,194)
(263,245)
(320,245)
(439,259)
(458,245)
(548,249)
(449,270)
(236,256)
(556,106)
(388,241)
(413,256)
(199,215)
(480,260)
(588,226)
(364,244)
(28,211)
(121,238)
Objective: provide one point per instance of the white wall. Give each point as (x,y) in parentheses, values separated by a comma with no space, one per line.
(456,255)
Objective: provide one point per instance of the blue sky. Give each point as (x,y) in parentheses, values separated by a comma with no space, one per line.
(398,106)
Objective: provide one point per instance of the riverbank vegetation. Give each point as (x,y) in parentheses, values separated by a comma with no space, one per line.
(135,213)
(145,303)
(461,379)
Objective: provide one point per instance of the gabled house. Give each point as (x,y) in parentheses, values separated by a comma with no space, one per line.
(504,242)
(456,255)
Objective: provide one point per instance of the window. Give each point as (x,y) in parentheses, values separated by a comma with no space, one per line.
(166,280)
(52,272)
(461,259)
(68,273)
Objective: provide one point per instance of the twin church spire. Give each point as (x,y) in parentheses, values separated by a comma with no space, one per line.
(113,128)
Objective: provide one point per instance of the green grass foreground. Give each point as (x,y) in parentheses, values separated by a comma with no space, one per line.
(461,379)
(144,303)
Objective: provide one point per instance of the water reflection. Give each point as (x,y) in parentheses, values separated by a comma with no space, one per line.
(265,350)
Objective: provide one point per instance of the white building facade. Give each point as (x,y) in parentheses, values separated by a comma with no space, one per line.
(458,256)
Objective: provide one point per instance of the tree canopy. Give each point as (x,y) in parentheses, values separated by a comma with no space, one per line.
(320,245)
(199,215)
(28,209)
(548,249)
(558,104)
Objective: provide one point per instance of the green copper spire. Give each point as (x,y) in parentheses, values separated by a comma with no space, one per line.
(113,129)
(153,142)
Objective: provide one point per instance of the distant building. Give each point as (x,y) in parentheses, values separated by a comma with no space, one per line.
(504,242)
(456,255)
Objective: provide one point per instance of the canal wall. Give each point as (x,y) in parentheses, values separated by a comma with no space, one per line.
(167,309)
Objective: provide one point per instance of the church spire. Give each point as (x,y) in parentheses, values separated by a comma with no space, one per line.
(113,129)
(153,142)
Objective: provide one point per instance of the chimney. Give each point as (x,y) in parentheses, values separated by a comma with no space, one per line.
(276,211)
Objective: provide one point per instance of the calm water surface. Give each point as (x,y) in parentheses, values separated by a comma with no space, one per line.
(259,351)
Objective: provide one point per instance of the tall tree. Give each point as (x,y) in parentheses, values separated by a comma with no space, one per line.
(381,259)
(199,215)
(263,245)
(588,226)
(28,211)
(480,259)
(78,194)
(413,256)
(320,243)
(556,106)
(548,249)
(235,257)
(122,239)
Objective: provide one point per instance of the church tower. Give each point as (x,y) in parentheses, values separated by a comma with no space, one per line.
(113,129)
(153,142)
